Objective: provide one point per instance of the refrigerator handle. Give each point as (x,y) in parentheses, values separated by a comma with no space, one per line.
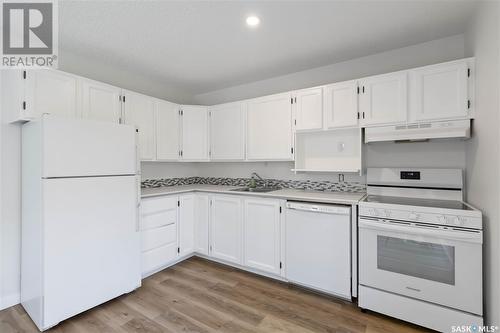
(137,153)
(138,208)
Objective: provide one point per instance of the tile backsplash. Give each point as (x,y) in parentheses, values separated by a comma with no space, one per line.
(295,184)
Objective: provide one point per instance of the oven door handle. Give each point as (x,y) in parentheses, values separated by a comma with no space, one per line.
(457,235)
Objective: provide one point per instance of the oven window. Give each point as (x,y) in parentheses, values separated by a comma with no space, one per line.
(428,261)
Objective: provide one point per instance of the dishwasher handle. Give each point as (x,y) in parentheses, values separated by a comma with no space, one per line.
(313,208)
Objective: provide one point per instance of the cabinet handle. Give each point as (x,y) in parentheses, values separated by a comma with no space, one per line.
(363,115)
(363,89)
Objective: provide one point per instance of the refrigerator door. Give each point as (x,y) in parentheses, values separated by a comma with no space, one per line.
(91,244)
(79,148)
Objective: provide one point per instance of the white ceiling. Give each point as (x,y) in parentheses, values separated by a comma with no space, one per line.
(202,46)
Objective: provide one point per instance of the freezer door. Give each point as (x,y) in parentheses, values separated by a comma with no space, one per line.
(76,148)
(91,243)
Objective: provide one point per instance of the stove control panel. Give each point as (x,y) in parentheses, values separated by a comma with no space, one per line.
(451,220)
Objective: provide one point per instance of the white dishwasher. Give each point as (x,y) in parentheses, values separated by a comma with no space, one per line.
(318,247)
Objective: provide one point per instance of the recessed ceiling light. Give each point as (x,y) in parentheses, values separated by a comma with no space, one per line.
(253,21)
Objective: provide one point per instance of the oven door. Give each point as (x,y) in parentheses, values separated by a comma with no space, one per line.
(437,265)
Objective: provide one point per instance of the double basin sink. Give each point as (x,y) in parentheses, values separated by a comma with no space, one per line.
(256,189)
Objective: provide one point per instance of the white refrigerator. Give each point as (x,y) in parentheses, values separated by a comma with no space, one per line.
(80,211)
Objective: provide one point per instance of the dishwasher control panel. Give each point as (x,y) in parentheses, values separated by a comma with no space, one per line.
(326,209)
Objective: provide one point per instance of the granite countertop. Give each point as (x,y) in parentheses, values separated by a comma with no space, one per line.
(345,198)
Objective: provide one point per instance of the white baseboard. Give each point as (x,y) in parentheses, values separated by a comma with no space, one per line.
(9,300)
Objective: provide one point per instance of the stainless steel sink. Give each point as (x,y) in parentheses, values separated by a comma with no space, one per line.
(256,189)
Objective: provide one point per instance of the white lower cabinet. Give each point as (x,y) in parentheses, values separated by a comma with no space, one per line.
(201,223)
(251,233)
(187,216)
(225,228)
(262,234)
(158,224)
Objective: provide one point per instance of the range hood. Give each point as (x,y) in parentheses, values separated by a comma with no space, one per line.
(419,132)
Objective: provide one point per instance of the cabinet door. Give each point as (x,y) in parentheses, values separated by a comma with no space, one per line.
(383,99)
(262,235)
(227,130)
(440,91)
(308,105)
(186,224)
(341,104)
(12,90)
(53,92)
(269,128)
(226,223)
(167,131)
(100,101)
(201,223)
(139,111)
(194,133)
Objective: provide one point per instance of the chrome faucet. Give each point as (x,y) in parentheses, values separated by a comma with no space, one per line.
(254,174)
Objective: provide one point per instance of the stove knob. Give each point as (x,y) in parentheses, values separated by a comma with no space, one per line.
(442,219)
(387,213)
(413,216)
(456,221)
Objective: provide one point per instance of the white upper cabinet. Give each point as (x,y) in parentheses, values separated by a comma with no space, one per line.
(201,223)
(383,99)
(226,224)
(194,135)
(308,109)
(227,131)
(187,218)
(139,111)
(53,92)
(167,131)
(341,104)
(269,128)
(100,101)
(262,234)
(440,91)
(12,96)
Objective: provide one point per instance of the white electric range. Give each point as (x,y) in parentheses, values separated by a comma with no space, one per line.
(420,248)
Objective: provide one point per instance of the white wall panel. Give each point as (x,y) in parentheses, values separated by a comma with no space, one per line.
(483,165)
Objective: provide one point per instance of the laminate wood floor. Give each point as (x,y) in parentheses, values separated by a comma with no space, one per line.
(201,296)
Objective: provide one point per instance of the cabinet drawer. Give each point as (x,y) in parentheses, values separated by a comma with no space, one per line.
(158,204)
(158,257)
(158,219)
(157,237)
